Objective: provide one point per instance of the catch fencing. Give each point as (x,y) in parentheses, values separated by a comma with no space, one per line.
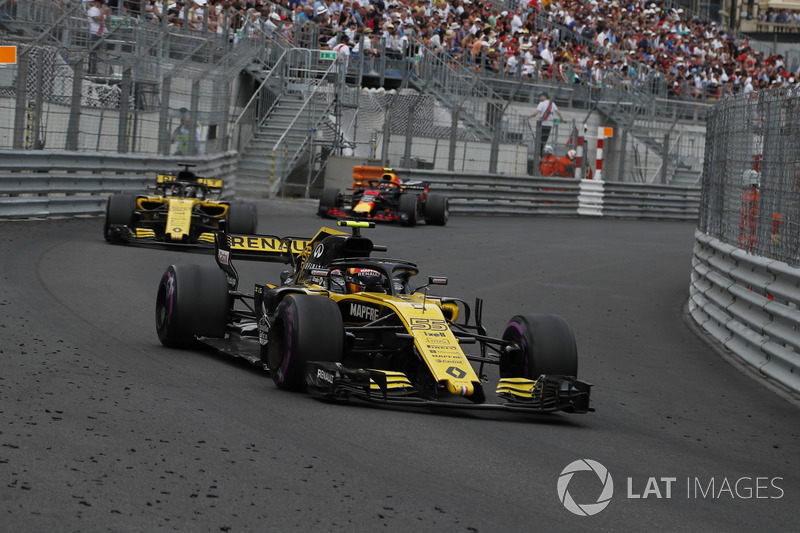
(745,288)
(751,175)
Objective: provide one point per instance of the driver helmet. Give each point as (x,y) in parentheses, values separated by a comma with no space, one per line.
(176,190)
(548,150)
(363,280)
(571,154)
(190,192)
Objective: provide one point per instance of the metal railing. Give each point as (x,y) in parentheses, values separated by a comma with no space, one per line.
(750,305)
(46,184)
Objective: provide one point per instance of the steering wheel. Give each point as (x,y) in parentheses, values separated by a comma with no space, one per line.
(384,185)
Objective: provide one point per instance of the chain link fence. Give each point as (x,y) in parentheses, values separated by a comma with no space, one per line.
(140,88)
(751,177)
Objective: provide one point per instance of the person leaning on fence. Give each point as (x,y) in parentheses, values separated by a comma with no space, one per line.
(547,109)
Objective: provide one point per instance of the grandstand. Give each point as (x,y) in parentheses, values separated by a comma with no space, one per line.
(421,83)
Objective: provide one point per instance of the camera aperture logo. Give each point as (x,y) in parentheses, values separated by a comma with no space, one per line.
(585,509)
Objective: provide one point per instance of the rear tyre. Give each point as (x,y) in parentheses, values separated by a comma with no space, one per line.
(191,300)
(437,209)
(119,212)
(241,218)
(305,328)
(546,346)
(409,209)
(328,200)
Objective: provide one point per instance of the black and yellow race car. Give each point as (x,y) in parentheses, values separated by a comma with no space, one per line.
(344,324)
(181,210)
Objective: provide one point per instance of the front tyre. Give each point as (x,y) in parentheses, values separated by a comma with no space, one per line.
(305,328)
(408,208)
(191,300)
(241,218)
(437,209)
(119,212)
(328,200)
(546,345)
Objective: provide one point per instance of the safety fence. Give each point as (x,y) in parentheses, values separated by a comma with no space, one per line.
(751,174)
(745,288)
(76,183)
(750,305)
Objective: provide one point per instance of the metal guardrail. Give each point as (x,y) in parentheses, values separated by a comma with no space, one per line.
(750,304)
(478,194)
(42,183)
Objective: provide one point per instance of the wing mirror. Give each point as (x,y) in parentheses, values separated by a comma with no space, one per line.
(433,280)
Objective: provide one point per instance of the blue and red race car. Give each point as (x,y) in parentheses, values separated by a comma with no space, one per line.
(385,199)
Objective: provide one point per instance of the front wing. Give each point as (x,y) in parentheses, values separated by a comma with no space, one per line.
(380,216)
(148,237)
(543,395)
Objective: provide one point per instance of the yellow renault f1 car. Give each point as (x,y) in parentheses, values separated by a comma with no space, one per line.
(343,324)
(182,210)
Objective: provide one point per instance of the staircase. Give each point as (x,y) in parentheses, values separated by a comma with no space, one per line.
(258,166)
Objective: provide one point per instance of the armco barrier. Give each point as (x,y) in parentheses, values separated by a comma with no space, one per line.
(750,305)
(478,194)
(41,183)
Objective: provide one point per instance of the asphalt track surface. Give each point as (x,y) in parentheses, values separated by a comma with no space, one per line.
(105,430)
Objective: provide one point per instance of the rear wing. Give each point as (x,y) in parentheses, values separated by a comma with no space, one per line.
(268,248)
(211,183)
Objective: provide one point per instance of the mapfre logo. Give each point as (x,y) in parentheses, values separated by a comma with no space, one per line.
(585,509)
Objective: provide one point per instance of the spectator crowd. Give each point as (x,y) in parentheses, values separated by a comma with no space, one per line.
(595,42)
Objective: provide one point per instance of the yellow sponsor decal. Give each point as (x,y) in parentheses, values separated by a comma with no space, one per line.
(165,178)
(179,219)
(211,182)
(439,347)
(267,244)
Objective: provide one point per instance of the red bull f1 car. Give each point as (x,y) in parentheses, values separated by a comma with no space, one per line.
(384,199)
(344,324)
(181,210)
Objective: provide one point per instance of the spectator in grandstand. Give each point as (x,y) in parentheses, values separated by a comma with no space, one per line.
(393,42)
(153,11)
(547,109)
(363,43)
(342,50)
(196,14)
(272,26)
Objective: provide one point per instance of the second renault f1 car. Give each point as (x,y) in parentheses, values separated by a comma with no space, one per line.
(346,325)
(182,210)
(387,199)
